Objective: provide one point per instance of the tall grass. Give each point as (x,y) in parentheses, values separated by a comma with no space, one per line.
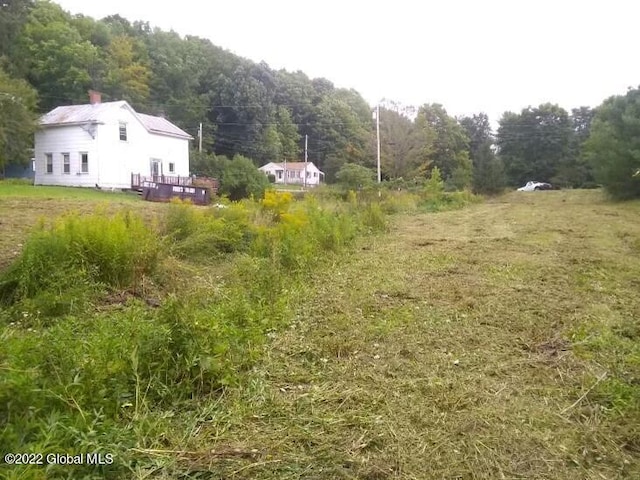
(199,234)
(84,379)
(62,264)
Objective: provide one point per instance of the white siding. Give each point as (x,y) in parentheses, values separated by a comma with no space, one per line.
(311,180)
(121,158)
(59,140)
(169,150)
(111,160)
(293,176)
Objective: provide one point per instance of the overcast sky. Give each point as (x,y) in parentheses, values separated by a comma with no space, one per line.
(469,55)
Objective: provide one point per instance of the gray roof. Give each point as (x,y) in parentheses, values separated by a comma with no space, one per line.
(78,113)
(161,125)
(82,114)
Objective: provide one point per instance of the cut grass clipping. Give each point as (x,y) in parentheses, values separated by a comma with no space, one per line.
(86,361)
(495,341)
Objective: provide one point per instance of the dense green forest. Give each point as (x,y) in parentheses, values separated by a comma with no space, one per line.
(49,57)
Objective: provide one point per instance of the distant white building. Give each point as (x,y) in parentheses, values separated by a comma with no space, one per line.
(299,173)
(104,144)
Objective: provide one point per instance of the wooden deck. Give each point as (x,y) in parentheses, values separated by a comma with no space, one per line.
(138,181)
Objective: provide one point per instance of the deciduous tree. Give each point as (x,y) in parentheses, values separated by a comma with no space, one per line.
(613,147)
(17,120)
(533,143)
(488,171)
(54,58)
(126,77)
(13,16)
(444,144)
(354,177)
(396,142)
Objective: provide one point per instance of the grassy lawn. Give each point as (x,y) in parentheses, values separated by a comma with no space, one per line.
(500,341)
(495,342)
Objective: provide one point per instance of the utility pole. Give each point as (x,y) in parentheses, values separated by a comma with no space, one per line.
(378,137)
(306,139)
(200,138)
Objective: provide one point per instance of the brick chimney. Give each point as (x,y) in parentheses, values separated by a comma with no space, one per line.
(94,97)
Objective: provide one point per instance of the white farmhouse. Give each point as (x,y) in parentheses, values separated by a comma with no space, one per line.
(299,173)
(104,144)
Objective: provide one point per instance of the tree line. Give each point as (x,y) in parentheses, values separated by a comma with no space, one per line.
(49,57)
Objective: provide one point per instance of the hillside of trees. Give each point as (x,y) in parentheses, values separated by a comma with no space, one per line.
(49,57)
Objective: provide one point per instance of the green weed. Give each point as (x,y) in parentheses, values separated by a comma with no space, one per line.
(200,234)
(97,380)
(79,255)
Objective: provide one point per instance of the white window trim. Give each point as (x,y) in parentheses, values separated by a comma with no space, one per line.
(126,132)
(68,155)
(158,162)
(82,163)
(48,156)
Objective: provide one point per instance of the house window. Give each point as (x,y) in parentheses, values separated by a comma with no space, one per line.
(66,163)
(315,174)
(123,132)
(49,157)
(172,167)
(279,174)
(156,167)
(84,162)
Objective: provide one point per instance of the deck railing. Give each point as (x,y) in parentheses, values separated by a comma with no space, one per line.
(138,181)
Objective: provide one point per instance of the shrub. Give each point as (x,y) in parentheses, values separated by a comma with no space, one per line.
(434,188)
(241,179)
(460,176)
(354,177)
(207,164)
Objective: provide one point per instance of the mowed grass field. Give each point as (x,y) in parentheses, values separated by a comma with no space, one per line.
(501,341)
(497,342)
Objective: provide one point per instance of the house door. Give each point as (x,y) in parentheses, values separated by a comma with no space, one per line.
(156,169)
